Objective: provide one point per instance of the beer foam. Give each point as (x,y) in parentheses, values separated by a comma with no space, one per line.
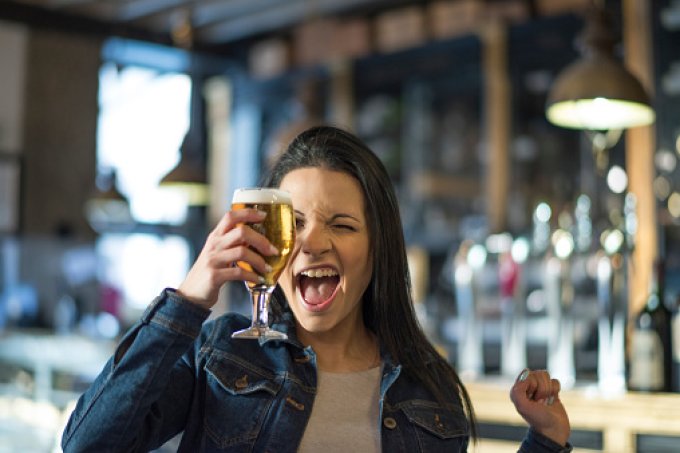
(261,195)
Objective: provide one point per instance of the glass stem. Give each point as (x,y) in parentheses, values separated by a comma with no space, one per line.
(260,300)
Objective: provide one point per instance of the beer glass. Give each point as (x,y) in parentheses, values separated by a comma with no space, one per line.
(279,228)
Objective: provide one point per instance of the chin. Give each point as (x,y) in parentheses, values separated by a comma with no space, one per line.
(312,327)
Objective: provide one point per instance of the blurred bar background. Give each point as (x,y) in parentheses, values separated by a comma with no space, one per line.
(125,127)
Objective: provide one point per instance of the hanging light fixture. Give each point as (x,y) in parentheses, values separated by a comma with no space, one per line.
(597,92)
(107,207)
(189,176)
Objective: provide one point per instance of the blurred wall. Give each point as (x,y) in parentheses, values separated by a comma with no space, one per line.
(13,43)
(59,133)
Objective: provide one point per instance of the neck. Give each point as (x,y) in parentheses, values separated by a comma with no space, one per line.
(357,352)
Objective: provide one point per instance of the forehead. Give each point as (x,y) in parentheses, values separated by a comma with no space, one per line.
(319,188)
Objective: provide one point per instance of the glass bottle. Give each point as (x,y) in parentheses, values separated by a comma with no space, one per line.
(650,345)
(675,347)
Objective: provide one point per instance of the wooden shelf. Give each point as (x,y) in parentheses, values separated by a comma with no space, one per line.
(440,185)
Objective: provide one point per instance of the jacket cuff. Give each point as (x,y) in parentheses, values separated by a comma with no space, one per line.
(535,442)
(172,311)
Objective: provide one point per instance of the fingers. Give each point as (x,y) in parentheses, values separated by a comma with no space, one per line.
(555,387)
(241,272)
(232,240)
(245,243)
(536,398)
(232,218)
(537,386)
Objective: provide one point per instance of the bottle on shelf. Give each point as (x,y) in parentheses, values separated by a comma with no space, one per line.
(650,345)
(675,347)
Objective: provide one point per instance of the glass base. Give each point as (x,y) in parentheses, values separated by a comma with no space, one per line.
(255,333)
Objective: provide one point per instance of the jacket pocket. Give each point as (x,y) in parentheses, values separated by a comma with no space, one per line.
(431,417)
(435,428)
(238,398)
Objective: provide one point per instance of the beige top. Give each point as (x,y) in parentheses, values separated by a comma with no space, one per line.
(345,413)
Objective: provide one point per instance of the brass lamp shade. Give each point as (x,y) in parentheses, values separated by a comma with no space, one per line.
(189,179)
(597,92)
(186,172)
(189,175)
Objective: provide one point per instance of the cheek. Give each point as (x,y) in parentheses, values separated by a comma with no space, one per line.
(361,272)
(286,280)
(286,284)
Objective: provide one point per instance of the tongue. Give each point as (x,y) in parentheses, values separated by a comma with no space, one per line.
(317,290)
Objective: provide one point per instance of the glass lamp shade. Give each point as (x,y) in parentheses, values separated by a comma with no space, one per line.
(597,92)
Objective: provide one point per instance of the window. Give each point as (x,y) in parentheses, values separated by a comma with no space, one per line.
(143,118)
(144,115)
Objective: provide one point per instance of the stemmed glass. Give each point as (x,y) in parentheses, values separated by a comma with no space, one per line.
(279,228)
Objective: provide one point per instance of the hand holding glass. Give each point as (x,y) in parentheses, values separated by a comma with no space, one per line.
(279,228)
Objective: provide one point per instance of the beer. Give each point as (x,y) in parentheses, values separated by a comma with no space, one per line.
(278,226)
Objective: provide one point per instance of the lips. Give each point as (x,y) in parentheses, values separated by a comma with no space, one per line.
(318,287)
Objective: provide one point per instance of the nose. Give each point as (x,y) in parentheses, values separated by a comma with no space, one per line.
(314,239)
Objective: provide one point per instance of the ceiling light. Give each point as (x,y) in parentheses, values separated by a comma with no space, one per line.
(189,176)
(597,92)
(107,207)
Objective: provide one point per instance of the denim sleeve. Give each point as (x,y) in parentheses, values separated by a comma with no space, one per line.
(535,442)
(142,396)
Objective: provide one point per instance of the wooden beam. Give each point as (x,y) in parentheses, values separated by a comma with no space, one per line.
(342,94)
(640,146)
(45,19)
(497,119)
(278,16)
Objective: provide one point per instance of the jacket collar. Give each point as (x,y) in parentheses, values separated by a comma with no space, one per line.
(286,324)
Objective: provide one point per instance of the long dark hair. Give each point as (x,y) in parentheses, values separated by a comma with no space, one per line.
(387,304)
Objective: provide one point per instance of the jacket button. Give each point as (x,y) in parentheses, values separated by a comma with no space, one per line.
(241,382)
(438,422)
(303,359)
(295,404)
(390,423)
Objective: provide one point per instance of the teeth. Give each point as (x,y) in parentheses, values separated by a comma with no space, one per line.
(318,273)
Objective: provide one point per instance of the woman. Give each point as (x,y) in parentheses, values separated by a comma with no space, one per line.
(357,373)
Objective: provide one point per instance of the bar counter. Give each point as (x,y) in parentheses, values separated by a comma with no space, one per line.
(627,422)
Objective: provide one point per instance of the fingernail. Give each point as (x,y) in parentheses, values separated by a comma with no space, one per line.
(550,400)
(273,250)
(260,279)
(268,268)
(524,375)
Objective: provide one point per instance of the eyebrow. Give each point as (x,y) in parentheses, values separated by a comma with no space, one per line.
(345,216)
(341,215)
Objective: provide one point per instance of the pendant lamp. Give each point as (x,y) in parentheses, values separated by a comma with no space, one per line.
(107,207)
(597,92)
(189,176)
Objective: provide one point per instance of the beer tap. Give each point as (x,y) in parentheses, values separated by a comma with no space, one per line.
(559,293)
(513,309)
(612,319)
(470,356)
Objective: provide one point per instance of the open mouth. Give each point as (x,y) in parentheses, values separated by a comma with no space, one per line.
(318,286)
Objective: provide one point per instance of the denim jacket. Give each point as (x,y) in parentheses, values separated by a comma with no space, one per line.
(173,373)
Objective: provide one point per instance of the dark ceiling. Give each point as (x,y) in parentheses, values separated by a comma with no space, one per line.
(215,23)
